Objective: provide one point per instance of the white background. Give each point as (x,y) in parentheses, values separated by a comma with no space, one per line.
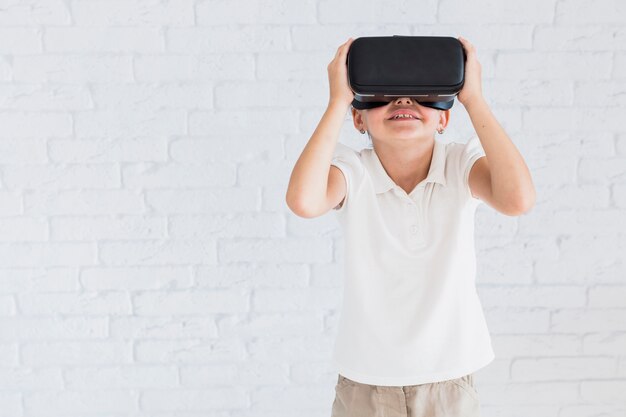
(149,265)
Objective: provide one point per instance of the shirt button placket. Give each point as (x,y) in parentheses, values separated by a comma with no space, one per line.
(415,235)
(410,223)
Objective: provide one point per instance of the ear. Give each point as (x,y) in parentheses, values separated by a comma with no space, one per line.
(444,117)
(357,117)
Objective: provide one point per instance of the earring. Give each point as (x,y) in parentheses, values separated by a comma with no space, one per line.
(440,131)
(362,131)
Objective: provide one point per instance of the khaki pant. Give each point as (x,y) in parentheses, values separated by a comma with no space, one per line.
(451,398)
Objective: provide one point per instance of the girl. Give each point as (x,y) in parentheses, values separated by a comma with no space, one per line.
(411,330)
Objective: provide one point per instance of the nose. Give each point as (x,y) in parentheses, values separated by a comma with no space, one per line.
(399,100)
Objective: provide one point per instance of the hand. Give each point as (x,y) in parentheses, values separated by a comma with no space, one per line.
(338,76)
(472,88)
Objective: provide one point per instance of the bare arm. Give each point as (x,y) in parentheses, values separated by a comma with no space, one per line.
(503,179)
(511,183)
(307,193)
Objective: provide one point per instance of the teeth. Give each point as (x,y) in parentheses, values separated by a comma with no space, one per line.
(404,116)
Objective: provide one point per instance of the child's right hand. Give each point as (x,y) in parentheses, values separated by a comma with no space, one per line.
(338,76)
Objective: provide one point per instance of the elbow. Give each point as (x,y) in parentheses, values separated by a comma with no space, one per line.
(514,212)
(528,202)
(293,203)
(521,205)
(516,201)
(300,209)
(526,207)
(294,206)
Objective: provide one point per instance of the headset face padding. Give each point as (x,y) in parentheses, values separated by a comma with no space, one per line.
(439,105)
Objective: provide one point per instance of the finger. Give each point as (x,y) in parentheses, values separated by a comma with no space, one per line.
(340,48)
(466,43)
(469,45)
(343,52)
(470,52)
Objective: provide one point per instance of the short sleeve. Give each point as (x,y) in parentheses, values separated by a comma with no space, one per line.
(347,160)
(472,151)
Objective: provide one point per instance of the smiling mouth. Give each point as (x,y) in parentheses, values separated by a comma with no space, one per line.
(404,116)
(404,119)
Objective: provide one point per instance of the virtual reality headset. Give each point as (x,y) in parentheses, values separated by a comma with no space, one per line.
(428,69)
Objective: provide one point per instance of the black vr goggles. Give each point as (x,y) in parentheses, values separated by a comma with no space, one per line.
(428,69)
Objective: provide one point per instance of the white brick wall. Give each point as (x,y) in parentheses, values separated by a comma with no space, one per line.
(149,265)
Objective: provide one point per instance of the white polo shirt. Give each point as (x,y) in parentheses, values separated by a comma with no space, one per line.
(410,312)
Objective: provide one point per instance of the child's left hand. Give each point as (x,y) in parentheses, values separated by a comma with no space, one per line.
(472,88)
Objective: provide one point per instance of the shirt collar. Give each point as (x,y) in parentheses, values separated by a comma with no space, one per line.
(382,181)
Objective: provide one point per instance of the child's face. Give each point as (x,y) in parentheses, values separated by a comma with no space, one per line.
(380,125)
